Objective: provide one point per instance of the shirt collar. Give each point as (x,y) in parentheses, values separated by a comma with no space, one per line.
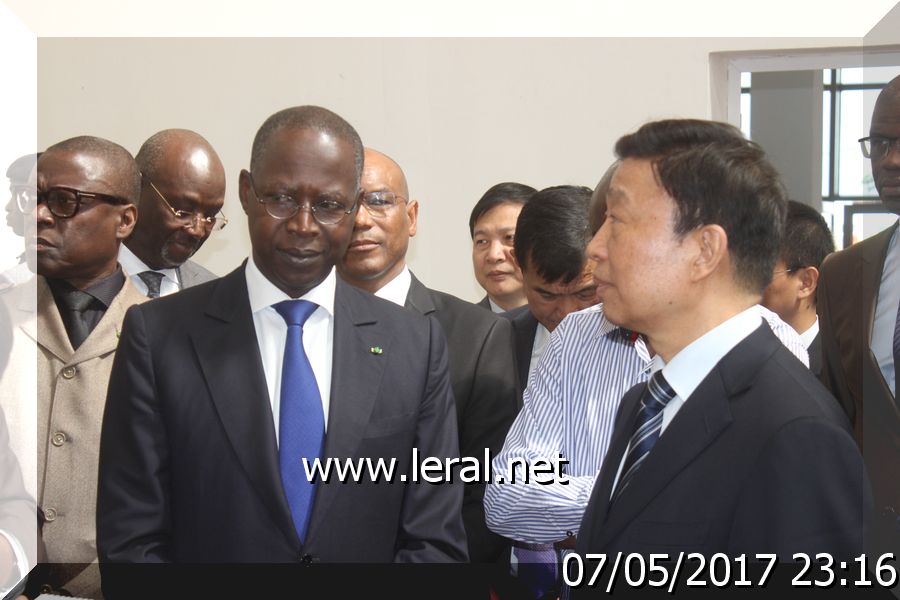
(397,289)
(495,308)
(691,366)
(263,293)
(104,291)
(810,334)
(134,265)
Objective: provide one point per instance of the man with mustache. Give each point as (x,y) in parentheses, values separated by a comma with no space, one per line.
(859,291)
(182,193)
(482,370)
(87,192)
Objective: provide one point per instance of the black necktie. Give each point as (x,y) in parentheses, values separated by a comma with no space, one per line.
(153,281)
(77,327)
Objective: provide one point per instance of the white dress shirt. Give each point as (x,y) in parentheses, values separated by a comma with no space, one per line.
(271,333)
(810,334)
(132,265)
(496,308)
(886,312)
(694,362)
(397,289)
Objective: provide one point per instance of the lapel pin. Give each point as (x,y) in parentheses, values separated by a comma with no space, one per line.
(376,350)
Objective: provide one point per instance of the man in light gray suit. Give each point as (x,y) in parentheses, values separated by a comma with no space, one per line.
(182,193)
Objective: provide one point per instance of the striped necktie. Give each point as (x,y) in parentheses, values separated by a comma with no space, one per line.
(648,426)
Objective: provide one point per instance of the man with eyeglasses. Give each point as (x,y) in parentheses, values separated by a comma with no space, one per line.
(182,194)
(482,370)
(87,192)
(795,278)
(859,295)
(21,175)
(222,391)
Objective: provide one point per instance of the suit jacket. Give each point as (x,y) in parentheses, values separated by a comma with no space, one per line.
(189,463)
(846,300)
(524,329)
(483,377)
(758,459)
(71,395)
(484,303)
(815,355)
(191,274)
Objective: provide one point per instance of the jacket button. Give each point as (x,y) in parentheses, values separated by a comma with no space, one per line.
(59,438)
(49,514)
(68,372)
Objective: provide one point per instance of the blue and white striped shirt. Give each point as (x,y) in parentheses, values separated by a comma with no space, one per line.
(569,408)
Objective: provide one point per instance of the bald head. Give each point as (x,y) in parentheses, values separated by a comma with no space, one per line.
(383,225)
(117,162)
(181,171)
(885,154)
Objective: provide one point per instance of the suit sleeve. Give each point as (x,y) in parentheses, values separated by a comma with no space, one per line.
(489,412)
(832,376)
(431,527)
(133,504)
(531,512)
(808,493)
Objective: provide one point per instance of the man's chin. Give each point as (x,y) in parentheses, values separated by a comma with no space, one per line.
(891,204)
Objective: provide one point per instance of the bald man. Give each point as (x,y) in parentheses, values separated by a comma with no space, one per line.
(87,194)
(182,193)
(857,300)
(482,371)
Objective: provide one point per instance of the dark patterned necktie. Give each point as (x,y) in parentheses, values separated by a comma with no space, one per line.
(647,428)
(77,326)
(153,281)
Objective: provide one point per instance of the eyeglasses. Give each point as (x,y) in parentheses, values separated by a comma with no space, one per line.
(189,219)
(25,197)
(326,211)
(64,202)
(379,204)
(877,147)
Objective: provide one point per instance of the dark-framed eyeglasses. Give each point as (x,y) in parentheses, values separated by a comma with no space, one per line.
(380,203)
(187,218)
(326,211)
(877,146)
(65,202)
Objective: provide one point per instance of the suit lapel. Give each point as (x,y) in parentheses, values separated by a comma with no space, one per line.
(228,353)
(105,336)
(50,333)
(418,298)
(873,259)
(526,326)
(701,419)
(355,386)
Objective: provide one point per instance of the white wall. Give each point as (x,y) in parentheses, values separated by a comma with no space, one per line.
(458,114)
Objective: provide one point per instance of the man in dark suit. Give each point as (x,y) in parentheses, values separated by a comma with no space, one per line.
(792,292)
(482,371)
(492,225)
(182,193)
(859,292)
(210,412)
(733,446)
(552,232)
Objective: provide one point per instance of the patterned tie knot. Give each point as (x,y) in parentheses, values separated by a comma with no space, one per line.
(295,312)
(660,393)
(153,279)
(78,301)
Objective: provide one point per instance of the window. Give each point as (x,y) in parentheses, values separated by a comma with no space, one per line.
(849,199)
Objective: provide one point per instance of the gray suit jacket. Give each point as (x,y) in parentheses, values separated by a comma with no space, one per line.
(191,274)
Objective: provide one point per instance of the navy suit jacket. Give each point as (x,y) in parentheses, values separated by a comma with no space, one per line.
(759,459)
(524,329)
(188,460)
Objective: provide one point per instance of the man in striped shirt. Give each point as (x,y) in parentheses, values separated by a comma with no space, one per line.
(569,409)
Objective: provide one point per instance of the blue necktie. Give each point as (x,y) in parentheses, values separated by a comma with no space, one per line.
(301,429)
(647,428)
(536,567)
